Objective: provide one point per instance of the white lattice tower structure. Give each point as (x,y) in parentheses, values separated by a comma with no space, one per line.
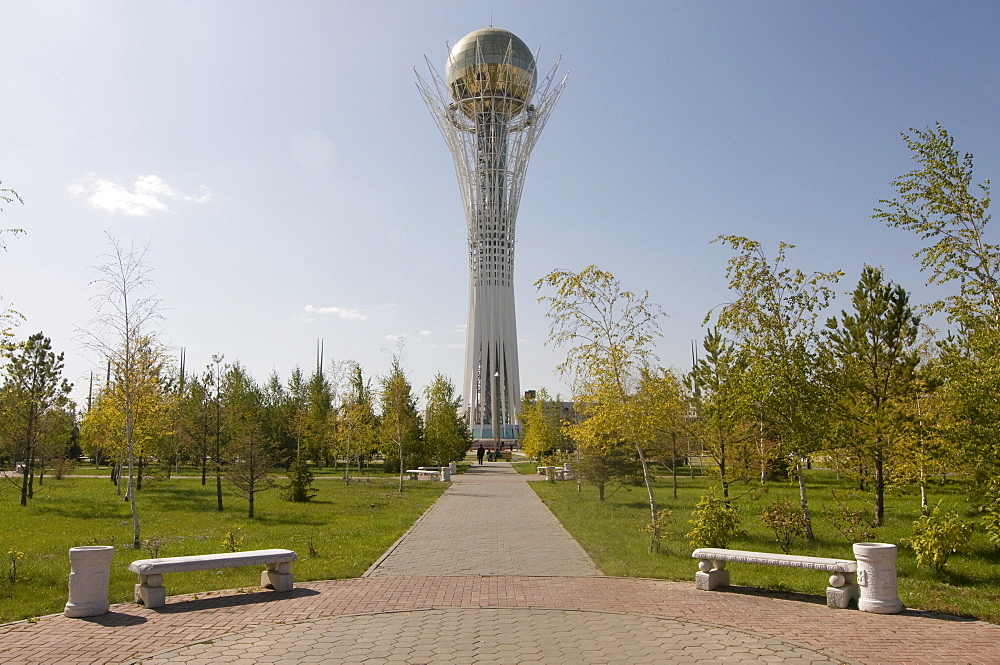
(491,112)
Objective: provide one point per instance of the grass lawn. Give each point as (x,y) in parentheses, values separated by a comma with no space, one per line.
(612,534)
(348,528)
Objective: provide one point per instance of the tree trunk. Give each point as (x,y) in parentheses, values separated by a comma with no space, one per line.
(654,541)
(879,489)
(673,465)
(24,482)
(803,501)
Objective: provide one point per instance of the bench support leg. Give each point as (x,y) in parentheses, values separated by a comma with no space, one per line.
(842,590)
(150,591)
(709,578)
(278,576)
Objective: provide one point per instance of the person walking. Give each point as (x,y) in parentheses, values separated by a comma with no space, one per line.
(480,452)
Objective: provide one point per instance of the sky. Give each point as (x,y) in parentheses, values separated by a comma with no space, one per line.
(288,184)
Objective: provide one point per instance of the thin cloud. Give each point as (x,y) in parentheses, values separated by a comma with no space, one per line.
(425,333)
(342,312)
(149,194)
(395,338)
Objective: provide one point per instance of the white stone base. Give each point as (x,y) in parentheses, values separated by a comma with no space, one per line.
(272,579)
(150,596)
(840,597)
(78,610)
(711,580)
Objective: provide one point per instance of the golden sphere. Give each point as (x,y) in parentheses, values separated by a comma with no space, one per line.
(491,70)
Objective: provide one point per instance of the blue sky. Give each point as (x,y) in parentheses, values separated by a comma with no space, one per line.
(290,184)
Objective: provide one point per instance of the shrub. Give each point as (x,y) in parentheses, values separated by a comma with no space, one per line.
(855,525)
(716,522)
(301,479)
(937,536)
(233,540)
(787,522)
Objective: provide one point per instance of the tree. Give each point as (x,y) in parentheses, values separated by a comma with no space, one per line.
(319,416)
(196,420)
(608,332)
(446,430)
(120,331)
(722,406)
(106,421)
(875,355)
(33,388)
(663,405)
(251,455)
(542,428)
(399,429)
(356,428)
(939,201)
(773,320)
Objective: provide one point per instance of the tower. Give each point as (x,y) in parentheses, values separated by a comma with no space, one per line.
(491,111)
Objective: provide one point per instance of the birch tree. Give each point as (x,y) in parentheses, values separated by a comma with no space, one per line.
(399,427)
(772,319)
(123,326)
(608,333)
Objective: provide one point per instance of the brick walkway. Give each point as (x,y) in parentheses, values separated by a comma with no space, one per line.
(504,618)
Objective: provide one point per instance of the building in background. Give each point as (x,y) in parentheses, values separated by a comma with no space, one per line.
(491,109)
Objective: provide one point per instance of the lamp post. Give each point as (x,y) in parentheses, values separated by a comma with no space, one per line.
(496,419)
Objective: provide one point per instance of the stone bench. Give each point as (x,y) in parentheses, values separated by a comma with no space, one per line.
(560,472)
(445,471)
(712,572)
(277,573)
(417,474)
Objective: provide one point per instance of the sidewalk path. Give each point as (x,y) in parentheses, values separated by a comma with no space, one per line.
(489,522)
(432,613)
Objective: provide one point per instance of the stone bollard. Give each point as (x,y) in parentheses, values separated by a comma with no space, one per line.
(90,571)
(877,578)
(453,467)
(446,474)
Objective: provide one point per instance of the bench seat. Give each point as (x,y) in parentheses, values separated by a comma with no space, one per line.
(150,591)
(415,474)
(712,573)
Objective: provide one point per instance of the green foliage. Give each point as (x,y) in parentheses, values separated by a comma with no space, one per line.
(300,481)
(233,540)
(446,429)
(937,536)
(33,390)
(716,522)
(656,530)
(13,557)
(786,521)
(723,404)
(939,202)
(399,432)
(251,455)
(873,349)
(541,426)
(608,333)
(991,511)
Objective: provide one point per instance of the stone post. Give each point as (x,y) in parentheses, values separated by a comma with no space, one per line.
(446,474)
(90,571)
(453,467)
(877,578)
